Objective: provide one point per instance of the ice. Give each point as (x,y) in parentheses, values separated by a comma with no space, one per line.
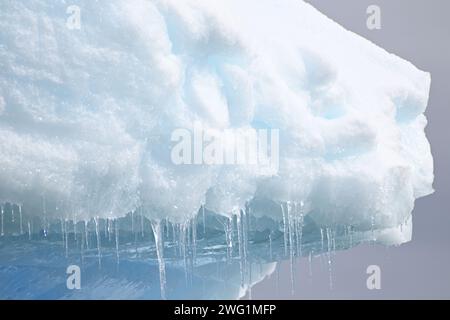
(97,233)
(86,234)
(116,239)
(29,230)
(87,117)
(2,221)
(156,227)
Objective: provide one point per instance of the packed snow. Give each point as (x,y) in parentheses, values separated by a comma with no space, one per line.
(87,115)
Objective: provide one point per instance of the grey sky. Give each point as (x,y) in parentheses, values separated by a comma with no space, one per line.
(418,31)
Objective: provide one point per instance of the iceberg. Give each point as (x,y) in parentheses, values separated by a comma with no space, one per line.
(87,122)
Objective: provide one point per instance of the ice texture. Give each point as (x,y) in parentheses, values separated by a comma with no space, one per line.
(86,115)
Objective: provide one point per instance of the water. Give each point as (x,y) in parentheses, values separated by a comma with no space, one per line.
(176,246)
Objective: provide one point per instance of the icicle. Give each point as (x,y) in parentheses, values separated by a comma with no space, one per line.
(204,220)
(159,242)
(142,226)
(321,239)
(132,222)
(82,249)
(167,228)
(250,293)
(285,230)
(300,238)
(270,246)
(178,238)
(97,232)
(241,249)
(372,227)
(296,219)
(228,238)
(44,211)
(291,245)
(310,263)
(74,219)
(174,234)
(245,238)
(183,250)
(188,233)
(194,241)
(190,226)
(248,214)
(67,238)
(277,279)
(178,233)
(106,230)
(29,230)
(20,219)
(117,239)
(299,231)
(329,243)
(12,215)
(2,219)
(134,232)
(61,221)
(350,235)
(334,241)
(86,234)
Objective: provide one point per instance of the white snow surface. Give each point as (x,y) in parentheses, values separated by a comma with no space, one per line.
(86,115)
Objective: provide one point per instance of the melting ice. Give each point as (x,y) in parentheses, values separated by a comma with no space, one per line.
(86,118)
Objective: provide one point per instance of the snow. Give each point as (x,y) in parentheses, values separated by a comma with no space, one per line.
(86,116)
